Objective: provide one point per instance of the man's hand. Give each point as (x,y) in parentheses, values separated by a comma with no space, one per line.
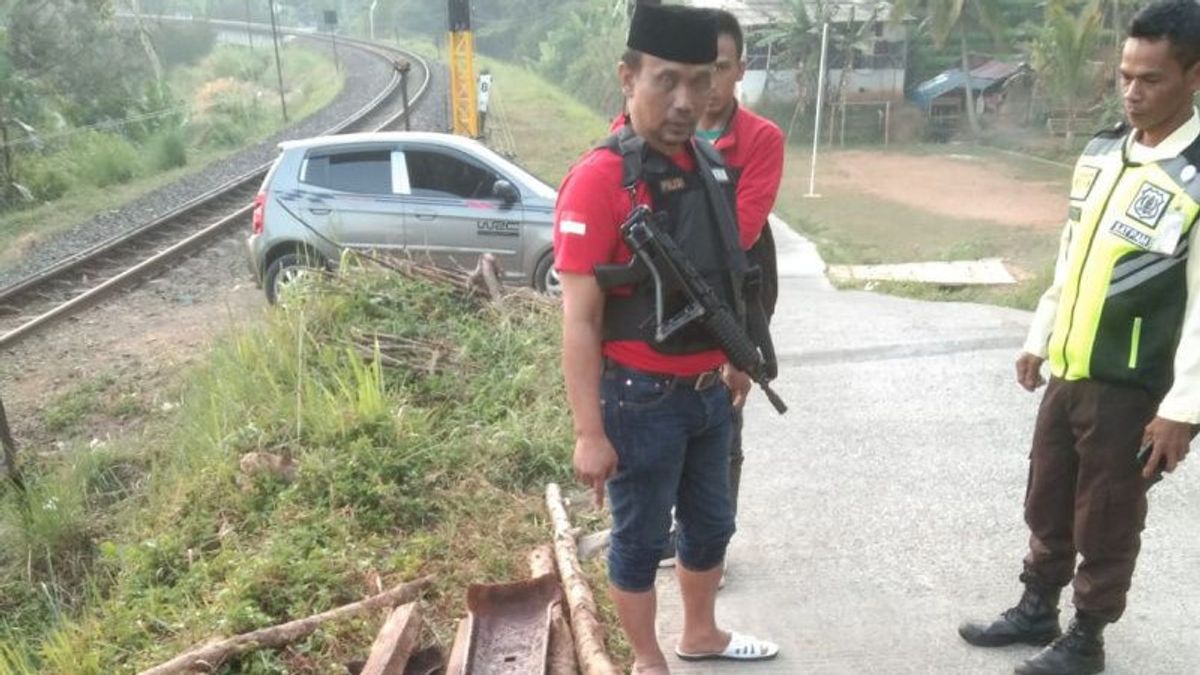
(1170,439)
(595,462)
(1029,371)
(738,382)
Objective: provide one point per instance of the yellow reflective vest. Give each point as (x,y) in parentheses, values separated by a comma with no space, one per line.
(1122,304)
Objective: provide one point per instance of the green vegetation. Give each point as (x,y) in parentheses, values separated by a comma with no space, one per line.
(231,104)
(126,553)
(549,128)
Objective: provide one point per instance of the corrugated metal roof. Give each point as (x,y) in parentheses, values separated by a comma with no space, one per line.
(982,77)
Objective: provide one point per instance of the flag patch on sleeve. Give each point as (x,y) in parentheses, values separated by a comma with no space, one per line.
(572,227)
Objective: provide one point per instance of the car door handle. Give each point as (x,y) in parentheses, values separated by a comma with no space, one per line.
(426,215)
(317,211)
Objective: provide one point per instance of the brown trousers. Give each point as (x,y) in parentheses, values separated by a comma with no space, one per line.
(1086,495)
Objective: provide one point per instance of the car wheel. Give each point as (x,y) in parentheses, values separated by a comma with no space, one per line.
(545,277)
(286,271)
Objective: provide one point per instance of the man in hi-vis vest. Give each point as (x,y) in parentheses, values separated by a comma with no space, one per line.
(1120,325)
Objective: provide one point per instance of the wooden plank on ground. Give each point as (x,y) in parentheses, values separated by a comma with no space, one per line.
(395,642)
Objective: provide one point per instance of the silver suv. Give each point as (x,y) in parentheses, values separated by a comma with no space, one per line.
(400,193)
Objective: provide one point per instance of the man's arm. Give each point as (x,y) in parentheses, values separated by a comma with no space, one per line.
(758,184)
(1171,430)
(1034,352)
(595,460)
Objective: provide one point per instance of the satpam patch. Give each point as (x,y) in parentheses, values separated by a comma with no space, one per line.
(1131,234)
(1149,205)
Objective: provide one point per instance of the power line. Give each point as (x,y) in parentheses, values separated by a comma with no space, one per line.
(107,124)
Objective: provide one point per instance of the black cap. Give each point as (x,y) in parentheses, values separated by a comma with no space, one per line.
(674,33)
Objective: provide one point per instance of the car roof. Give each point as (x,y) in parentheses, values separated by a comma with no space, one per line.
(448,140)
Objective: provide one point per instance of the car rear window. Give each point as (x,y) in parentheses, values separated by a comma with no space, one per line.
(367,171)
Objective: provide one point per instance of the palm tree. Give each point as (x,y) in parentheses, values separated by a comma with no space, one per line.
(1063,54)
(946,17)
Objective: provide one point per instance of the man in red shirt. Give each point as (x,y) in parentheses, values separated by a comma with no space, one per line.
(753,148)
(653,419)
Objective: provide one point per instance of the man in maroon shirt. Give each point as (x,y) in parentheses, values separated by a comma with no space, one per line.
(653,420)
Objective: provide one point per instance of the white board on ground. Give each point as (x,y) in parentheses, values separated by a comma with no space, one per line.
(989,271)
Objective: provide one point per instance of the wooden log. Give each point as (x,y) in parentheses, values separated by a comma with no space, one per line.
(395,642)
(561,657)
(208,657)
(585,623)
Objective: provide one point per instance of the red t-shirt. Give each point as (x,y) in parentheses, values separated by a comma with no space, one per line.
(755,146)
(591,207)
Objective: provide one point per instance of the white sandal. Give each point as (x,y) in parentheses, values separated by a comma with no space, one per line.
(740,648)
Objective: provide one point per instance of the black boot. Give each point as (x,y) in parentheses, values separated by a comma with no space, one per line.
(1080,651)
(1034,621)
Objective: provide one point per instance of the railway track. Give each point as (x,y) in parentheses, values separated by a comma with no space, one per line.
(82,279)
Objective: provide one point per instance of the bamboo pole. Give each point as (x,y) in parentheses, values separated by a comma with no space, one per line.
(588,631)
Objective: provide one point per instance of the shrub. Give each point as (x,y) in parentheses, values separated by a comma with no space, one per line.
(102,159)
(166,150)
(46,177)
(238,63)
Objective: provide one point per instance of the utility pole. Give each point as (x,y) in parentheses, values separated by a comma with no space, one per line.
(278,65)
(812,179)
(249,32)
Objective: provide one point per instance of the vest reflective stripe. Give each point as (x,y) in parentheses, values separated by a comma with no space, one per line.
(1123,299)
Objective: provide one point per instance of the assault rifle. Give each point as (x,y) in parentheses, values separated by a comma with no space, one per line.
(656,255)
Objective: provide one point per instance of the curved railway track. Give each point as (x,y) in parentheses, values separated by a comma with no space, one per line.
(82,279)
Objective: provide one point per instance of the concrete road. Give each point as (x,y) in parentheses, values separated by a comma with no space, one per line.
(885,507)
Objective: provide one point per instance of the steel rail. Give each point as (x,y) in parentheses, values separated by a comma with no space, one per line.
(237,191)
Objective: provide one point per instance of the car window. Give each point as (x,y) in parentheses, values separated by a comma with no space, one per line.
(435,174)
(368,172)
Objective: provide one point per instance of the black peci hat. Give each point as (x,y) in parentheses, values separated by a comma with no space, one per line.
(674,33)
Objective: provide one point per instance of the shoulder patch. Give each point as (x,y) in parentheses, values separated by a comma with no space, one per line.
(1116,131)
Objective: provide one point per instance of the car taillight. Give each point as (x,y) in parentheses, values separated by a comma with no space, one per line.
(256,217)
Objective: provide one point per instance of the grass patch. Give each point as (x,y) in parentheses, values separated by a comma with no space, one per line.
(549,128)
(126,554)
(858,228)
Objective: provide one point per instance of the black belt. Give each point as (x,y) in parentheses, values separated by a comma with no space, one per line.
(698,382)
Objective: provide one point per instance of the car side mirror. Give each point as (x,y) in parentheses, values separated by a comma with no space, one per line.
(506,191)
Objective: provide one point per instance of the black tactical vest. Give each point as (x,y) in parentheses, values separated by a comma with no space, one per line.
(695,209)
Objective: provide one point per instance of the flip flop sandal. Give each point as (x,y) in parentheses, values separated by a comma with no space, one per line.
(740,648)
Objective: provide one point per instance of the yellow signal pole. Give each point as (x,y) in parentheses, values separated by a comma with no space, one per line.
(464,119)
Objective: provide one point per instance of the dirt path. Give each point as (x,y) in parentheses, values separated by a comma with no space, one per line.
(950,185)
(139,340)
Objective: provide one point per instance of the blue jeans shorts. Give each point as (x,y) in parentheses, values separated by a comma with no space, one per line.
(672,445)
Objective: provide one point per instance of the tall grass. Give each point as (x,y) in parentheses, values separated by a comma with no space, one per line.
(401,473)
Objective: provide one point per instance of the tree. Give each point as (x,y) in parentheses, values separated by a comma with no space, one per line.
(795,39)
(944,18)
(69,49)
(1063,54)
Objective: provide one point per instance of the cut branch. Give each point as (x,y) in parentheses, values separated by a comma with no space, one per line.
(208,657)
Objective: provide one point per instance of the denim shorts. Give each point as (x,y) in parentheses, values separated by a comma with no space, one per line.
(672,446)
